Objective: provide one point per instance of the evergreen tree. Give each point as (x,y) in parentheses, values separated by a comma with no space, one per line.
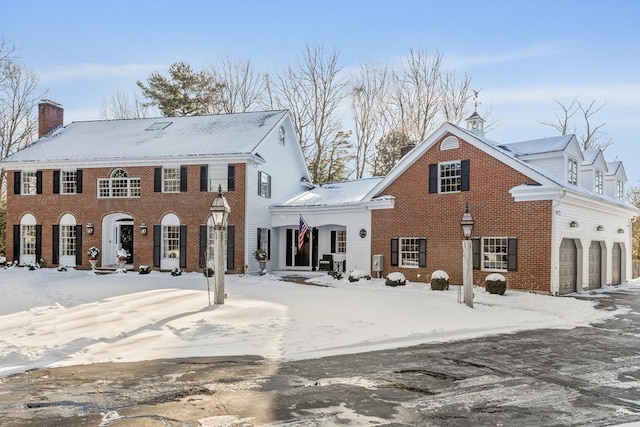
(184,93)
(388,151)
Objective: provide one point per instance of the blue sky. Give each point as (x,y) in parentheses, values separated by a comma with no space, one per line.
(522,54)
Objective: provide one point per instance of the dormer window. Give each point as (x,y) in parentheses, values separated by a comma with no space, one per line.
(572,172)
(620,190)
(281,135)
(599,182)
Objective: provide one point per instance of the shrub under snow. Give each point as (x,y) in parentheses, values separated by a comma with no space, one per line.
(395,279)
(439,280)
(356,275)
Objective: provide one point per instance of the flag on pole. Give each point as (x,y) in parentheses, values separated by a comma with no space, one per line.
(304,228)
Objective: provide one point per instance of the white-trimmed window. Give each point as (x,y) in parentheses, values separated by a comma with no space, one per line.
(449,177)
(29,182)
(69,182)
(409,252)
(68,236)
(572,172)
(281,135)
(171,241)
(28,235)
(599,182)
(495,253)
(119,185)
(218,176)
(171,180)
(264,184)
(619,190)
(341,241)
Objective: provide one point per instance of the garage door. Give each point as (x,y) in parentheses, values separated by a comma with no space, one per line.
(568,268)
(595,265)
(616,261)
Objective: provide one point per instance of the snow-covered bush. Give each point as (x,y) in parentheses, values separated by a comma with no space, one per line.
(495,284)
(62,268)
(439,280)
(356,275)
(395,279)
(175,271)
(144,269)
(122,254)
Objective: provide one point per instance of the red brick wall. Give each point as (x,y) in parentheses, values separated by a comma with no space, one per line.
(191,207)
(436,217)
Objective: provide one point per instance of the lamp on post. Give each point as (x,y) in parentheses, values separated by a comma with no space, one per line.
(219,215)
(466,225)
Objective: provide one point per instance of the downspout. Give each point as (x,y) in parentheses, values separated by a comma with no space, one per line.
(554,280)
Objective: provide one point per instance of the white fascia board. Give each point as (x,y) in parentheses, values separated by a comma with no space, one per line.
(529,193)
(124,162)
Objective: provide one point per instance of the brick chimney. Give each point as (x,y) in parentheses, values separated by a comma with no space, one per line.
(405,149)
(50,117)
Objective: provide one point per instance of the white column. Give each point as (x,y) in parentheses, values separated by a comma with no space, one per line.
(467,273)
(218,261)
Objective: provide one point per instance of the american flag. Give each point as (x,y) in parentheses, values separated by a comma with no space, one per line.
(304,228)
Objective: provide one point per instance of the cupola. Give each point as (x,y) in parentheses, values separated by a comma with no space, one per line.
(475,123)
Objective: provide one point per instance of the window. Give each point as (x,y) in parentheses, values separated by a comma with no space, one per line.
(264,185)
(281,135)
(449,177)
(118,185)
(69,182)
(341,241)
(29,182)
(572,172)
(28,234)
(495,253)
(67,240)
(171,241)
(619,190)
(599,182)
(171,180)
(409,252)
(264,236)
(218,176)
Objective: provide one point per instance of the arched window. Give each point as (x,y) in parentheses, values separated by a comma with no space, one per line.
(28,240)
(118,185)
(68,237)
(170,242)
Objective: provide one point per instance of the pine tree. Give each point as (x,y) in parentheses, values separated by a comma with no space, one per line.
(388,151)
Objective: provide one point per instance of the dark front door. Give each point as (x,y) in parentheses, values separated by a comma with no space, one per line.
(126,240)
(297,257)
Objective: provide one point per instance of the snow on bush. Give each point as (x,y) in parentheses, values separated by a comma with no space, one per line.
(395,279)
(356,275)
(440,274)
(496,276)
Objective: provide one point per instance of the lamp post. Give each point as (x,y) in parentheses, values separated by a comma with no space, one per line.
(466,224)
(219,215)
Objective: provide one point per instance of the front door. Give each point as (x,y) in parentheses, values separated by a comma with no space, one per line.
(125,240)
(294,256)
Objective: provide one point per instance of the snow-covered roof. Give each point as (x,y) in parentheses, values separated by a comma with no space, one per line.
(224,134)
(335,194)
(538,146)
(590,156)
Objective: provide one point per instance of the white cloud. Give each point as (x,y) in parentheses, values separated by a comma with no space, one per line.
(96,71)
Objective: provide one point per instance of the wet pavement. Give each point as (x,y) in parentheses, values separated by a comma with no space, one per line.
(587,376)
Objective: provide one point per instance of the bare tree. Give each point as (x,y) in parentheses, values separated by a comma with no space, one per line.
(455,93)
(593,137)
(121,107)
(241,88)
(19,97)
(313,90)
(416,97)
(368,95)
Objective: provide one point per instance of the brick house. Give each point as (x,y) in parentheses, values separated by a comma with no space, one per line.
(146,185)
(547,216)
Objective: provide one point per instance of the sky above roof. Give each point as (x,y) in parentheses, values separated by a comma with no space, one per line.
(522,55)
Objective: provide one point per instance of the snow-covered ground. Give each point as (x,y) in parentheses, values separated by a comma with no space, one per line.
(53,318)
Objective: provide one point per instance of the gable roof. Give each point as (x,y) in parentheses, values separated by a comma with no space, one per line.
(223,134)
(539,146)
(334,194)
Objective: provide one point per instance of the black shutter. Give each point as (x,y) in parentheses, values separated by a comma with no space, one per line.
(56,182)
(231,178)
(512,259)
(38,243)
(183,179)
(394,251)
(433,178)
(55,248)
(268,244)
(333,241)
(268,186)
(157,237)
(475,250)
(78,244)
(16,242)
(259,182)
(203,246)
(38,184)
(422,256)
(230,246)
(157,180)
(79,181)
(464,175)
(183,246)
(259,236)
(17,180)
(204,178)
(289,247)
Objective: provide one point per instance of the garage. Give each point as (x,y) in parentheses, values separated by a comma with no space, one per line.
(595,265)
(616,264)
(568,266)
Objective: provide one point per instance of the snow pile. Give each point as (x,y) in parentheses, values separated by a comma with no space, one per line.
(52,318)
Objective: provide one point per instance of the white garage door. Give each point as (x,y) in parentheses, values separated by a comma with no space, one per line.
(568,266)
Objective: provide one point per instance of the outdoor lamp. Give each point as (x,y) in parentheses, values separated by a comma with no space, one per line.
(573,224)
(600,228)
(143,229)
(466,223)
(89,228)
(220,210)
